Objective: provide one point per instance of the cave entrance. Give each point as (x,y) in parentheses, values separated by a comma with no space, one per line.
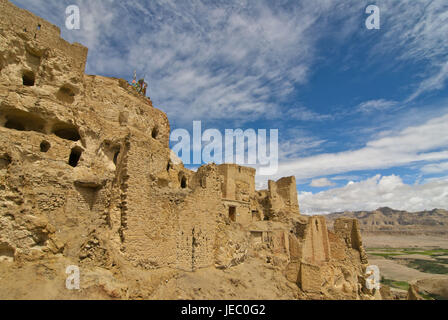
(23,121)
(44,146)
(183,182)
(28,78)
(155,133)
(75,155)
(15,124)
(66,131)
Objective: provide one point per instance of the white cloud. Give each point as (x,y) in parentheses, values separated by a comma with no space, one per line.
(375,192)
(346,177)
(425,142)
(435,168)
(298,145)
(376,105)
(222,61)
(434,82)
(417,33)
(322,182)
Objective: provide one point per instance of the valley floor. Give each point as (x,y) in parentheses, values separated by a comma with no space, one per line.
(405,259)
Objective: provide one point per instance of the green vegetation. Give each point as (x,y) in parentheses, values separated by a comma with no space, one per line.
(385,255)
(393,252)
(442,260)
(428,266)
(435,252)
(430,260)
(431,296)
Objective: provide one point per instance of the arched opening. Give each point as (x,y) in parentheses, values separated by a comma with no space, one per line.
(28,78)
(168,166)
(75,155)
(44,146)
(183,182)
(155,133)
(317,225)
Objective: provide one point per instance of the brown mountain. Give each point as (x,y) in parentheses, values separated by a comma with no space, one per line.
(387,220)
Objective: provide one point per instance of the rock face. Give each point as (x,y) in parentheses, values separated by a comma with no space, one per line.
(87,179)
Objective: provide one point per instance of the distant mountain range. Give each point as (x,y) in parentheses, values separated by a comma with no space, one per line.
(387,220)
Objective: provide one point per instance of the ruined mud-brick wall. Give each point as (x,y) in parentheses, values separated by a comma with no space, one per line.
(325,263)
(349,231)
(283,196)
(238,191)
(85,161)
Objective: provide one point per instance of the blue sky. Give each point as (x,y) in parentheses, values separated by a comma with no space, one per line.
(362,114)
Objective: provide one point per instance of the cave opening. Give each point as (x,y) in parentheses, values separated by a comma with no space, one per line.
(15,124)
(183,182)
(75,156)
(67,132)
(28,78)
(155,133)
(44,146)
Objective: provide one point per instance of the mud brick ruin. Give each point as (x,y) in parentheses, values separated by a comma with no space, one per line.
(86,179)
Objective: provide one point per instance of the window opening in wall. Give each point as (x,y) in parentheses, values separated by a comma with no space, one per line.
(28,78)
(155,133)
(232,213)
(183,182)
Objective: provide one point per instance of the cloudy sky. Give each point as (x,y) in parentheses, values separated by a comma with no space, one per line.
(362,114)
